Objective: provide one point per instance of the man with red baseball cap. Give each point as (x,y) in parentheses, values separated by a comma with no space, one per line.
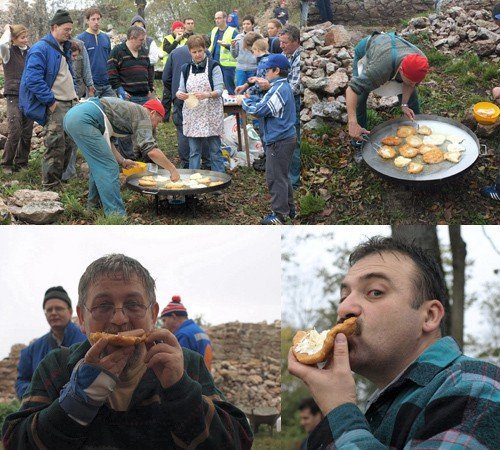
(175,319)
(91,124)
(389,65)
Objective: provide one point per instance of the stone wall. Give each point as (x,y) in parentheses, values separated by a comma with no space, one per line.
(8,374)
(246,365)
(374,12)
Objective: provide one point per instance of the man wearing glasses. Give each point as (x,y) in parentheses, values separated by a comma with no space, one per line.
(154,395)
(58,311)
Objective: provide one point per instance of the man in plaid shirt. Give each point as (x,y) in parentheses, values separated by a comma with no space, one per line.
(429,394)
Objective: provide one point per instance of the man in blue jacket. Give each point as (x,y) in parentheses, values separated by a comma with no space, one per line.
(47,93)
(63,332)
(175,319)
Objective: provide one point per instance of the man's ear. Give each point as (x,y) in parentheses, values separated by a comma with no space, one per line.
(81,320)
(434,313)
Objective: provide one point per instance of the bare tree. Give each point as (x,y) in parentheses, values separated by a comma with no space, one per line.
(425,236)
(458,252)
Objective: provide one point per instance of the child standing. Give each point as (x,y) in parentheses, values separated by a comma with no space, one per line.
(203,120)
(13,49)
(277,112)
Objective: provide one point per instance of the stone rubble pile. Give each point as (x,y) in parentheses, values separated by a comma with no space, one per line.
(246,364)
(457,30)
(8,374)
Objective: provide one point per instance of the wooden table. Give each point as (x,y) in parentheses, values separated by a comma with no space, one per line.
(241,116)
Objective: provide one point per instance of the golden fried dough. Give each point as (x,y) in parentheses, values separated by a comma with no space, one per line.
(311,347)
(401,161)
(414,167)
(407,151)
(391,140)
(424,130)
(435,139)
(414,141)
(125,339)
(146,183)
(423,149)
(386,152)
(433,157)
(406,131)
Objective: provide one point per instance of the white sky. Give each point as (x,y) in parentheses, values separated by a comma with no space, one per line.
(479,250)
(224,273)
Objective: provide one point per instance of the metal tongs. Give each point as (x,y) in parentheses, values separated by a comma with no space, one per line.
(375,145)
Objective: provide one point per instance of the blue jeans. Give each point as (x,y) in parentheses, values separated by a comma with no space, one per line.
(196,145)
(243,75)
(85,124)
(228,74)
(104,90)
(294,173)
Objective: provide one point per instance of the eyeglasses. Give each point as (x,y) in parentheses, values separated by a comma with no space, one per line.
(106,311)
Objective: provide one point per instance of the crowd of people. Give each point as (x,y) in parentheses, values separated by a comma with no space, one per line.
(102,99)
(156,394)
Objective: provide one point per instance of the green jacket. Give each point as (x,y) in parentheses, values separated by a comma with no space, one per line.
(378,68)
(189,414)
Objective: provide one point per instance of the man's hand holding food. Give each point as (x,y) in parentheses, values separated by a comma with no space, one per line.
(333,385)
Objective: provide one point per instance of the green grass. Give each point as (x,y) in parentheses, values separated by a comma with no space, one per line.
(311,204)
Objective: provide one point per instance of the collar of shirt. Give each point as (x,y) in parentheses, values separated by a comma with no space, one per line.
(421,371)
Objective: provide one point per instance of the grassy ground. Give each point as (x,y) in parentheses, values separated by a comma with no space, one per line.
(340,191)
(245,201)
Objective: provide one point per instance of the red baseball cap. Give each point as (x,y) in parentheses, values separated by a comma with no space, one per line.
(415,67)
(155,105)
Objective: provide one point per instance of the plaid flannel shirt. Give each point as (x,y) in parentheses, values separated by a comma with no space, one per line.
(444,400)
(294,74)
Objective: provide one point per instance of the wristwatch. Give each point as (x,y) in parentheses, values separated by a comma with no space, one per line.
(404,105)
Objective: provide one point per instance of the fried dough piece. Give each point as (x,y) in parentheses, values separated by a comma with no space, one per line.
(401,161)
(386,152)
(414,167)
(453,157)
(454,139)
(414,141)
(391,140)
(407,151)
(124,339)
(423,149)
(301,338)
(424,130)
(453,148)
(433,157)
(147,183)
(405,131)
(435,139)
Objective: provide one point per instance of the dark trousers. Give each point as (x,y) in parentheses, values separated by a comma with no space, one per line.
(18,144)
(58,145)
(325,10)
(361,108)
(228,75)
(278,162)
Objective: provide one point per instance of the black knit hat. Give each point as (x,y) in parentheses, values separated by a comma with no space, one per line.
(56,292)
(61,16)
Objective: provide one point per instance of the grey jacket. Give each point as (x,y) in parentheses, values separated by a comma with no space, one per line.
(244,58)
(378,67)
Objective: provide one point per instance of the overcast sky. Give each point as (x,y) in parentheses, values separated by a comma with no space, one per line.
(223,273)
(313,255)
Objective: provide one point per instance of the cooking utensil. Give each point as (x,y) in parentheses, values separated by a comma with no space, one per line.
(432,173)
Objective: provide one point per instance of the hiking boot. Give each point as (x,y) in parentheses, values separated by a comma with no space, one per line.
(273,219)
(490,192)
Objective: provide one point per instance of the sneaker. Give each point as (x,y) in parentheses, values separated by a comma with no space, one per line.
(273,219)
(260,164)
(490,192)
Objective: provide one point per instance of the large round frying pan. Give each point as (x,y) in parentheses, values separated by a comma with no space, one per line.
(133,182)
(432,173)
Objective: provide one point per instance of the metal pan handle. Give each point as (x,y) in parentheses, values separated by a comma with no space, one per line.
(486,152)
(150,192)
